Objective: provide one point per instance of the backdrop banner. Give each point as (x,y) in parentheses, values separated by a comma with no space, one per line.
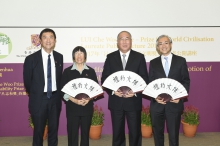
(198,45)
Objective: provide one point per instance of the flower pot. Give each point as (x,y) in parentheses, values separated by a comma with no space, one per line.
(45,132)
(95,132)
(189,130)
(146,131)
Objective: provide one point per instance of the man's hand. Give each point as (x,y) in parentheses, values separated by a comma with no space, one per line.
(129,94)
(118,93)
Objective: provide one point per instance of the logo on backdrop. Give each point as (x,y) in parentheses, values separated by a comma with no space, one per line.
(5,45)
(35,46)
(35,42)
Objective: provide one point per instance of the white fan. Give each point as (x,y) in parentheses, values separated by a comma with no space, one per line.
(82,88)
(125,81)
(166,88)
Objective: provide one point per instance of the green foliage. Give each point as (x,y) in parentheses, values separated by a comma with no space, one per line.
(97,117)
(31,124)
(145,116)
(190,115)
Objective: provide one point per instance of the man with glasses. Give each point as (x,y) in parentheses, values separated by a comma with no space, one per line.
(171,66)
(125,106)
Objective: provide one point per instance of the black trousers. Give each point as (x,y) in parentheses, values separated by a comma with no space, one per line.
(134,126)
(73,124)
(173,125)
(48,111)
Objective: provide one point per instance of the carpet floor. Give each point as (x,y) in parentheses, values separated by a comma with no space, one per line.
(201,139)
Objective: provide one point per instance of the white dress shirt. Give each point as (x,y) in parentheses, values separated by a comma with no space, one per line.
(126,57)
(53,70)
(169,60)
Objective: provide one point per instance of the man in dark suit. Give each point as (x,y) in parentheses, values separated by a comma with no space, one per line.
(42,75)
(128,105)
(162,111)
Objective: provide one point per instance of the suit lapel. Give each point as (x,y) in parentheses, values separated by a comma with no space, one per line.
(55,62)
(173,64)
(131,58)
(160,66)
(118,59)
(41,66)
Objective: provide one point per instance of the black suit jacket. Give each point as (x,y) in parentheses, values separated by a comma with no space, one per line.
(136,63)
(33,75)
(178,71)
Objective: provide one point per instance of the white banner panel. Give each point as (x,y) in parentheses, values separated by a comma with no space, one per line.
(196,44)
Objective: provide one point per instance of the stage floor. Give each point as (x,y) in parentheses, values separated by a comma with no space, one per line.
(201,139)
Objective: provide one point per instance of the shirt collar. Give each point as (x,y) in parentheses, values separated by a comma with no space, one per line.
(45,54)
(169,56)
(75,68)
(127,54)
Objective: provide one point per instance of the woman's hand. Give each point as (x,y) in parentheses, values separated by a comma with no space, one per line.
(160,100)
(81,102)
(84,101)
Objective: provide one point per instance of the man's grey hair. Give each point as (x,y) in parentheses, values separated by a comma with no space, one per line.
(122,32)
(162,37)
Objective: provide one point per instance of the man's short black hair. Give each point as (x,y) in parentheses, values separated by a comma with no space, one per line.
(47,30)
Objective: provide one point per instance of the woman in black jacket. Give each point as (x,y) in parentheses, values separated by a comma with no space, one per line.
(78,112)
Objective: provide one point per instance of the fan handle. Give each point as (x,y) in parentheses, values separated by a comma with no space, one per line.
(124,89)
(165,97)
(82,95)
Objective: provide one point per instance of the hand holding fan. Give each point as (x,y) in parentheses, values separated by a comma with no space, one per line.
(82,88)
(166,88)
(125,81)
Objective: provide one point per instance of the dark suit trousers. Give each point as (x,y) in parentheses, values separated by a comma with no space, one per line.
(134,126)
(173,125)
(73,124)
(48,110)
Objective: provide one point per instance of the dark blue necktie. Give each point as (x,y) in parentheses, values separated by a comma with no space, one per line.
(49,82)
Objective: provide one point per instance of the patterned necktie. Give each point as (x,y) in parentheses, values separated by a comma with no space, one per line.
(49,82)
(166,67)
(124,61)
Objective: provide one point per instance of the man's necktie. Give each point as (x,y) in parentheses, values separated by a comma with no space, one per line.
(124,61)
(49,82)
(166,67)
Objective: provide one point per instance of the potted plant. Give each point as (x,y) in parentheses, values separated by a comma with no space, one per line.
(97,123)
(146,125)
(31,124)
(190,121)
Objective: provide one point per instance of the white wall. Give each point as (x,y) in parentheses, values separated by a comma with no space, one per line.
(111,13)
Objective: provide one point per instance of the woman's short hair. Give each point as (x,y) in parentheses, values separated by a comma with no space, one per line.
(79,48)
